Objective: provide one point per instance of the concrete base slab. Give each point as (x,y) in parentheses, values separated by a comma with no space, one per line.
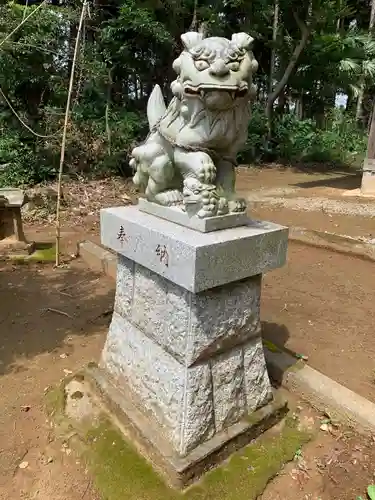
(98,258)
(359,193)
(320,391)
(177,215)
(340,243)
(148,437)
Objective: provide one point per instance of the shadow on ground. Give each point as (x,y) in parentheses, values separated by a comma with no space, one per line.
(275,337)
(41,308)
(309,167)
(351,181)
(275,333)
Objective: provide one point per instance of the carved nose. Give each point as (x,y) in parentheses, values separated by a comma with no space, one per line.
(219,68)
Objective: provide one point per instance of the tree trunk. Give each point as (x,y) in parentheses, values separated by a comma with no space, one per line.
(194,21)
(305,33)
(372,16)
(371,138)
(299,107)
(359,108)
(107,109)
(273,51)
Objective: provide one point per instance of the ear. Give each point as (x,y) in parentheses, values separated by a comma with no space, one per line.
(191,38)
(242,40)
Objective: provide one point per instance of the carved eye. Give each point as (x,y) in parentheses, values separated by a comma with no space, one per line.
(201,65)
(196,191)
(233,66)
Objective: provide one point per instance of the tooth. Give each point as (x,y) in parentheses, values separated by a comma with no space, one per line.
(202,93)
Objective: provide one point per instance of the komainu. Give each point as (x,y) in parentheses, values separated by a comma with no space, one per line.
(189,156)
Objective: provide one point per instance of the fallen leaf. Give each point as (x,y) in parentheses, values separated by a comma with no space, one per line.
(23,465)
(371,491)
(324,427)
(25,407)
(302,356)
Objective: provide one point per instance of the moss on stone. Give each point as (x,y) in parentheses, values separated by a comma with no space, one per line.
(45,254)
(120,472)
(248,471)
(42,253)
(270,346)
(55,400)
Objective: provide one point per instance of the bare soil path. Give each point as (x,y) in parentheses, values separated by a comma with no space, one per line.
(307,197)
(321,304)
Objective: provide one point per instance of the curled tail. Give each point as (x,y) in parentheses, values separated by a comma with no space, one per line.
(156,107)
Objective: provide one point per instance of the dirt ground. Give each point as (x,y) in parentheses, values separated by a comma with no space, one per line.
(308,186)
(336,465)
(52,321)
(55,321)
(321,304)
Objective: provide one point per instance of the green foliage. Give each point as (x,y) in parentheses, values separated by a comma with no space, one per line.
(341,141)
(128,46)
(293,137)
(19,161)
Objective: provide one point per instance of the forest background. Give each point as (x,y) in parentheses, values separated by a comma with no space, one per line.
(315,83)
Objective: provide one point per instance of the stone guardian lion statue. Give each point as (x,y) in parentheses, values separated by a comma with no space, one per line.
(189,156)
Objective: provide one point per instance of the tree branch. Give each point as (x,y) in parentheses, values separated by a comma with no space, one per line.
(305,34)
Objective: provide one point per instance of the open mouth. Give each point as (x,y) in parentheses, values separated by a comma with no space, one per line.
(203,91)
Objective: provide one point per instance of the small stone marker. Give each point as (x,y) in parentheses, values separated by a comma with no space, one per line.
(12,237)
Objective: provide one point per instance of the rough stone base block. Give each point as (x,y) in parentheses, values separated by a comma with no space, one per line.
(177,215)
(195,361)
(190,403)
(368,183)
(125,411)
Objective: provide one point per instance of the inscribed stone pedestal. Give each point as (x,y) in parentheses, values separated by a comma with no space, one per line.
(194,361)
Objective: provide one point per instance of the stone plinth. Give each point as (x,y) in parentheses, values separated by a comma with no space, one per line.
(184,343)
(195,261)
(177,215)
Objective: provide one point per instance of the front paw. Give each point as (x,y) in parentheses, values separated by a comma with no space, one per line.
(238,205)
(207,170)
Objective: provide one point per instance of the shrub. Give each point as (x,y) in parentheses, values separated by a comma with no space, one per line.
(341,141)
